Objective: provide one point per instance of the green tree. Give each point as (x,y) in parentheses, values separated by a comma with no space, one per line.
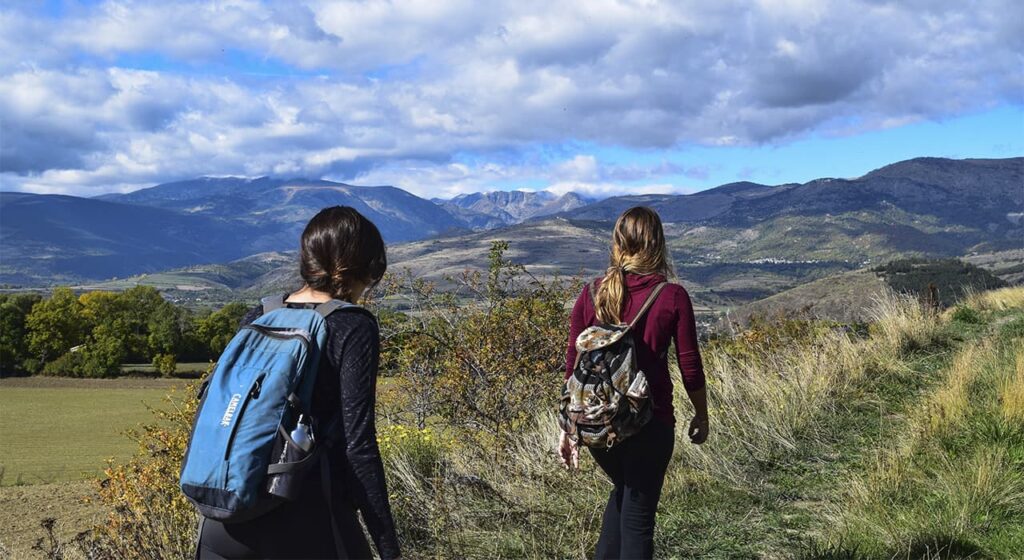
(103,353)
(146,323)
(55,325)
(166,326)
(139,305)
(101,307)
(99,356)
(218,327)
(14,308)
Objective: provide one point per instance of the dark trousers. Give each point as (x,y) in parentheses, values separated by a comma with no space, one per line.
(637,468)
(218,541)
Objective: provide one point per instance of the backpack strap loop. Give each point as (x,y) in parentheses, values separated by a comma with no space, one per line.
(647,304)
(271,303)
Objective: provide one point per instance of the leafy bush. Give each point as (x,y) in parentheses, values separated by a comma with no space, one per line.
(165,364)
(483,355)
(966,314)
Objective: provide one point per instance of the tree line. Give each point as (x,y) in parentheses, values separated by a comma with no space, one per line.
(92,334)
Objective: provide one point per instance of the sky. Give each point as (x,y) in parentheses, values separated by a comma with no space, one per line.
(441,97)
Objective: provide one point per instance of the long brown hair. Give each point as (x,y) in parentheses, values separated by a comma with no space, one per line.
(638,246)
(338,247)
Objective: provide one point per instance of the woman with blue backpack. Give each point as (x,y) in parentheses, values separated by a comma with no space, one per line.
(617,397)
(311,438)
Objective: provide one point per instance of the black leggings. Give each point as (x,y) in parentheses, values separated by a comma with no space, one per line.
(300,529)
(637,468)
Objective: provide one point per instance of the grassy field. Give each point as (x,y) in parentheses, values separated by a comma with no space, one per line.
(57,429)
(55,437)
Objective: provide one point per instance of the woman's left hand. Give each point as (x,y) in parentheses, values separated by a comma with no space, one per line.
(568,452)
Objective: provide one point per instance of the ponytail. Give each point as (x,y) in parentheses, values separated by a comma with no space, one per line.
(638,246)
(611,295)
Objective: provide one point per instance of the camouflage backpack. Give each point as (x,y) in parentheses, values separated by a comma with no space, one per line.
(606,398)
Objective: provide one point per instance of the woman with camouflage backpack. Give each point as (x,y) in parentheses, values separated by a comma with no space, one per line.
(617,400)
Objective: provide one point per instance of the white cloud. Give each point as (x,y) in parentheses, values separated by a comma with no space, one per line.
(398,89)
(602,190)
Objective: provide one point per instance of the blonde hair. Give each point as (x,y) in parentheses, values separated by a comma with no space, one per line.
(638,246)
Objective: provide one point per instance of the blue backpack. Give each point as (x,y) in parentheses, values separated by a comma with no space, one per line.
(241,460)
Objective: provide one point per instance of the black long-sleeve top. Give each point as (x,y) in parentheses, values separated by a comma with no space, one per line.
(346,380)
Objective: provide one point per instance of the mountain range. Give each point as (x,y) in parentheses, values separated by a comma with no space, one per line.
(50,239)
(791,232)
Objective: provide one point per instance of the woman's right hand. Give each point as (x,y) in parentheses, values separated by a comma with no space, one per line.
(568,452)
(699,428)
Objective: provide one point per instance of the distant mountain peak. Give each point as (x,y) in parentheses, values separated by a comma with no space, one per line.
(510,207)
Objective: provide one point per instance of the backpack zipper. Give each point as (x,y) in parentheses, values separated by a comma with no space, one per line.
(301,335)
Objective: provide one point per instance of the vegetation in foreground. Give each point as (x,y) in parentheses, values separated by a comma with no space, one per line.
(901,442)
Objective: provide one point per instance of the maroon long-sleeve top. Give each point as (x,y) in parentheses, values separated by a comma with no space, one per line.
(670,317)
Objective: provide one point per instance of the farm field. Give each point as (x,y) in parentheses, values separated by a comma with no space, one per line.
(56,476)
(55,436)
(59,429)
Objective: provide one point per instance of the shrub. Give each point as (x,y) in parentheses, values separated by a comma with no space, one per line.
(484,354)
(966,314)
(165,364)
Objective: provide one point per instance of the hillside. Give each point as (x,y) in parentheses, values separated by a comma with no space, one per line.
(547,248)
(1007,265)
(280,208)
(55,238)
(208,284)
(540,245)
(925,206)
(900,441)
(696,207)
(849,297)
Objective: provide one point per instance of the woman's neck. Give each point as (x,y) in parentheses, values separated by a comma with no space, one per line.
(308,295)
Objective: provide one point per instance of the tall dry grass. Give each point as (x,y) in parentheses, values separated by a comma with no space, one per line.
(1011,297)
(767,402)
(1011,392)
(953,485)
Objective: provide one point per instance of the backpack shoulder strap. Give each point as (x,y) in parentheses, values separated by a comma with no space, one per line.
(647,304)
(328,307)
(592,291)
(271,303)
